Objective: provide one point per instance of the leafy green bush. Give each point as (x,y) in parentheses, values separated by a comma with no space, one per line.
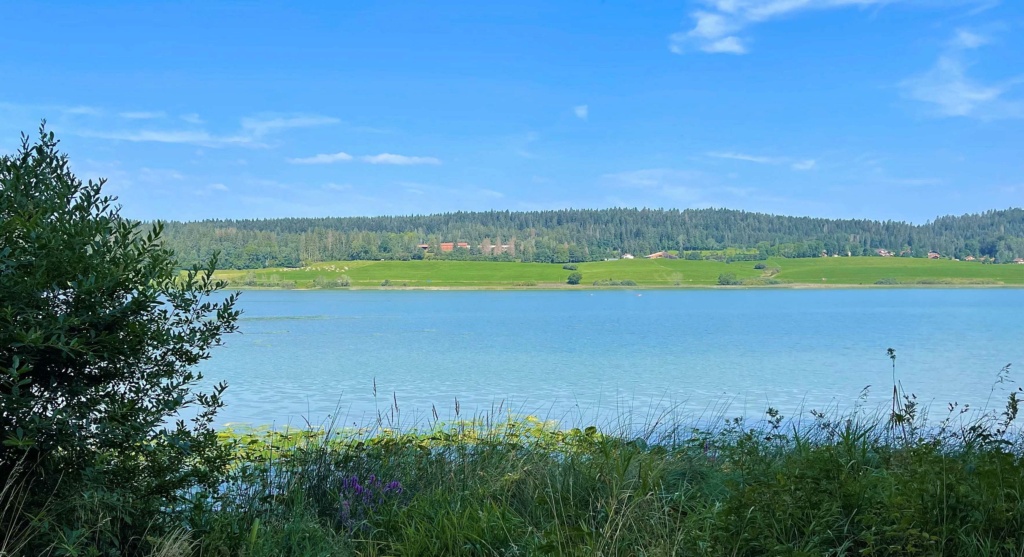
(728,279)
(574,277)
(887,281)
(99,336)
(570,267)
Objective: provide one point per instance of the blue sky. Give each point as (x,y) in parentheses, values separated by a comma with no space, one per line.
(882,109)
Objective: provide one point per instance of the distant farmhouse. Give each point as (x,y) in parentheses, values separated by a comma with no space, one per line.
(933,255)
(661,255)
(449,246)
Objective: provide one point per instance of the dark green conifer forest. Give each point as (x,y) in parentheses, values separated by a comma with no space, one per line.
(577,235)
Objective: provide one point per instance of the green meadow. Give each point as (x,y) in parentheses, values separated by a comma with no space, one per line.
(842,271)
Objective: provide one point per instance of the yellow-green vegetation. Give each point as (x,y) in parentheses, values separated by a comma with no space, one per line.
(843,271)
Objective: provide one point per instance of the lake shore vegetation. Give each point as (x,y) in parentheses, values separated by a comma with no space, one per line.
(853,483)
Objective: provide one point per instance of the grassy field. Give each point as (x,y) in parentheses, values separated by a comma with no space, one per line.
(842,271)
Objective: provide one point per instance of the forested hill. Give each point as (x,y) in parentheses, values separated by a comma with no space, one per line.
(574,235)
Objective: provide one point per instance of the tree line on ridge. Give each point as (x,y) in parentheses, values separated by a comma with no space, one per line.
(578,235)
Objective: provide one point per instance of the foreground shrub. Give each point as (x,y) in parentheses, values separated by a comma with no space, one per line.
(99,334)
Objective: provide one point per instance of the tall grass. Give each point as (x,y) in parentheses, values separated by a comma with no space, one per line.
(12,498)
(858,482)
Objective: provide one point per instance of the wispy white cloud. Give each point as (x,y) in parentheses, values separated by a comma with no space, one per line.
(323,158)
(719,27)
(951,92)
(968,39)
(201,138)
(192,118)
(747,158)
(795,164)
(581,111)
(252,134)
(403,160)
(217,187)
(260,126)
(383,158)
(337,187)
(141,115)
(81,110)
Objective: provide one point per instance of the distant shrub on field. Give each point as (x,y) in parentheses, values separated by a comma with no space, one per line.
(728,279)
(610,282)
(570,267)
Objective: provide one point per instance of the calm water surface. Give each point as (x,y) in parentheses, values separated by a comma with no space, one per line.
(592,355)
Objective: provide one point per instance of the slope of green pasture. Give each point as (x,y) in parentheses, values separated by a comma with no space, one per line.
(665,272)
(645,272)
(412,273)
(868,270)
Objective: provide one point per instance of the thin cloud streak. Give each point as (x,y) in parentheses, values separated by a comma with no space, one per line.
(200,138)
(402,160)
(323,158)
(795,164)
(383,158)
(254,130)
(263,126)
(747,158)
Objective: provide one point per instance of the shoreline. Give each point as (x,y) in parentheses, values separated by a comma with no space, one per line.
(559,288)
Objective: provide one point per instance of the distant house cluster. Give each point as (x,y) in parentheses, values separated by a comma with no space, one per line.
(486,248)
(661,255)
(886,253)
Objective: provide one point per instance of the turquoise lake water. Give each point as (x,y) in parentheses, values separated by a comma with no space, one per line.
(589,356)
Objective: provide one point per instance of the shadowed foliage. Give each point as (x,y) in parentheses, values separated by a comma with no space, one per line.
(99,335)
